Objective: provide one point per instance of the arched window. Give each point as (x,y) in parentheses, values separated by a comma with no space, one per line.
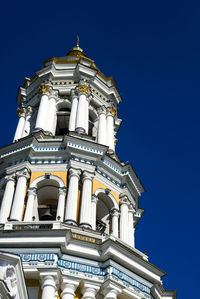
(106,202)
(49,199)
(62,126)
(47,195)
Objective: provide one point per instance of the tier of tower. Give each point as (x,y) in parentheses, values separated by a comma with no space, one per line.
(13,202)
(45,118)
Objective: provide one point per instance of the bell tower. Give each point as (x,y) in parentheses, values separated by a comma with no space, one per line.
(69,206)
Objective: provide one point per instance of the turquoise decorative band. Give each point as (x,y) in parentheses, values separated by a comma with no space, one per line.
(88,269)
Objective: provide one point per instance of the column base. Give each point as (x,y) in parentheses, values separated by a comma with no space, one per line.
(110,151)
(70,222)
(85,225)
(80,130)
(45,132)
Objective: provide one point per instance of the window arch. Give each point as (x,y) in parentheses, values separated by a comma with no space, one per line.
(46,203)
(63,115)
(105,203)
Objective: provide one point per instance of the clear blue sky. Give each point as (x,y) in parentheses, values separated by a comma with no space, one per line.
(152,49)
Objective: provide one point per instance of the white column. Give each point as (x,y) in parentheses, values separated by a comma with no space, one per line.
(102,131)
(87,114)
(72,196)
(115,221)
(68,287)
(42,116)
(131,212)
(89,291)
(48,284)
(72,119)
(124,203)
(27,127)
(30,204)
(85,215)
(110,131)
(81,117)
(18,202)
(20,126)
(61,204)
(110,291)
(7,198)
(52,113)
(94,211)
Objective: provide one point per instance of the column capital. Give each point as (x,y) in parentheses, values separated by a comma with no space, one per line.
(23,173)
(114,212)
(32,191)
(101,110)
(89,290)
(110,290)
(94,198)
(87,176)
(62,190)
(53,94)
(21,112)
(48,279)
(123,199)
(89,98)
(10,177)
(68,286)
(131,209)
(74,172)
(29,111)
(74,94)
(43,89)
(83,89)
(112,111)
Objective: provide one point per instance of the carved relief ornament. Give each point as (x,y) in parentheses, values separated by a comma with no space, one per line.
(43,88)
(84,89)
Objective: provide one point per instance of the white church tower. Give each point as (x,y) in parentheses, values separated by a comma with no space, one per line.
(69,206)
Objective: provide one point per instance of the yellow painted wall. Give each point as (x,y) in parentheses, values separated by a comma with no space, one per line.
(60,174)
(97,185)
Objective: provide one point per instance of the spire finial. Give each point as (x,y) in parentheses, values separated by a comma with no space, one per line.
(77,41)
